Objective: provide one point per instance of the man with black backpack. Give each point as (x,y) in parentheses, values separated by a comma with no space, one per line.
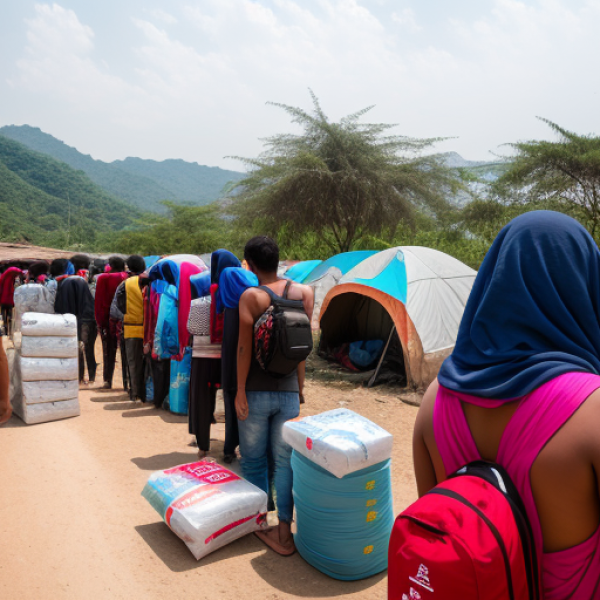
(274,341)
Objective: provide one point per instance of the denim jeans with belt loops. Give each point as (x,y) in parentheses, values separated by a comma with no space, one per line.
(267,412)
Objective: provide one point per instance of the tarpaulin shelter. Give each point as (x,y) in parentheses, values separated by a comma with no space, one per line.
(328,273)
(420,291)
(301,270)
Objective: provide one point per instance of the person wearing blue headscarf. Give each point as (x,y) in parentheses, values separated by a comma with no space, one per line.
(219,261)
(522,388)
(533,311)
(206,353)
(234,281)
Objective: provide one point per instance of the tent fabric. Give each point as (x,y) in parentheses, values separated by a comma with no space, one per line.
(423,293)
(300,271)
(328,274)
(439,286)
(344,262)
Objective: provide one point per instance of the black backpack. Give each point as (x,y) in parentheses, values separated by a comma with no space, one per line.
(282,334)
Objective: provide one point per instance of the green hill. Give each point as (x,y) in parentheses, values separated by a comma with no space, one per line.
(44,201)
(143,183)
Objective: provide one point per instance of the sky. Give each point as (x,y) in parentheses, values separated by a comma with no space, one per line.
(193,79)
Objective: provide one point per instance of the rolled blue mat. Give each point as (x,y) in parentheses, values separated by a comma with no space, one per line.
(344,524)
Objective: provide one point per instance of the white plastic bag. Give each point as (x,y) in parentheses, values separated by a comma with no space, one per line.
(48,369)
(206,505)
(49,347)
(340,441)
(32,297)
(40,324)
(35,392)
(47,411)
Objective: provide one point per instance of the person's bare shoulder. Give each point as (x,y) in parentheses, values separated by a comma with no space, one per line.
(255,301)
(424,423)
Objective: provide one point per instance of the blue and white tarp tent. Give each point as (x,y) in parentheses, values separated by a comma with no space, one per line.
(328,274)
(421,291)
(301,270)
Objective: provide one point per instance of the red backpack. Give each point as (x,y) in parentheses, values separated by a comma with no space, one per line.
(468,538)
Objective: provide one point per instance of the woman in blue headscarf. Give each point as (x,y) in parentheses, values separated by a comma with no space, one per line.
(234,281)
(522,389)
(206,352)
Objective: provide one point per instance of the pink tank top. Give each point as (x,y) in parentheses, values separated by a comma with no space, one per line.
(573,573)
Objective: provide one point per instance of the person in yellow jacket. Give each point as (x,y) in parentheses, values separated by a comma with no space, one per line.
(130,302)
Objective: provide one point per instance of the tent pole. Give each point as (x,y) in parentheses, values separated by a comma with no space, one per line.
(372,380)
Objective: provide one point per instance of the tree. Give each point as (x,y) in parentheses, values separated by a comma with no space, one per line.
(341,180)
(564,175)
(185,229)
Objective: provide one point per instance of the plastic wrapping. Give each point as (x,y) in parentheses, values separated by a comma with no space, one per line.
(343,525)
(46,411)
(179,390)
(49,347)
(40,324)
(48,369)
(36,392)
(32,297)
(340,441)
(206,505)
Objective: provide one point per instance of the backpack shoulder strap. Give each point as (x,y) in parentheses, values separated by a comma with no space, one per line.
(288,284)
(269,291)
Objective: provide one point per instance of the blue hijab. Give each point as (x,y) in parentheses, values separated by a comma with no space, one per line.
(200,285)
(533,312)
(220,260)
(234,281)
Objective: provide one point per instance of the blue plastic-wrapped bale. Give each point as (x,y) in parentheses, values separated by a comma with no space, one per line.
(179,390)
(343,525)
(342,492)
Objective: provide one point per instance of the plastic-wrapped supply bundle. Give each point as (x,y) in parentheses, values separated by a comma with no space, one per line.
(343,525)
(39,324)
(342,492)
(49,347)
(32,414)
(339,440)
(179,390)
(48,369)
(36,392)
(206,505)
(32,298)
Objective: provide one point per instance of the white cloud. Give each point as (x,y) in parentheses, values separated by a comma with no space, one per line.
(193,81)
(407,19)
(162,16)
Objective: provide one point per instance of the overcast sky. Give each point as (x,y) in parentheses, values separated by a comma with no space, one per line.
(191,78)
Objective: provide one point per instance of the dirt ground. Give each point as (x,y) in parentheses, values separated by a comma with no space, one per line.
(73,524)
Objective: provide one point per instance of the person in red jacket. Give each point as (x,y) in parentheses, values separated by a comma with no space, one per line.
(106,286)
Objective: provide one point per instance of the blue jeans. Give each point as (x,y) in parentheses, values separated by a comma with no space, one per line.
(267,412)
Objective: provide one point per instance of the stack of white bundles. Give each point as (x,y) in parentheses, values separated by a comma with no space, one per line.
(47,374)
(32,297)
(340,441)
(206,505)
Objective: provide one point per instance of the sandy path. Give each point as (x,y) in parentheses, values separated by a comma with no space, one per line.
(73,524)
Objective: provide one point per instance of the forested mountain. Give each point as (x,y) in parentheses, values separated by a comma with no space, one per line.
(44,201)
(143,183)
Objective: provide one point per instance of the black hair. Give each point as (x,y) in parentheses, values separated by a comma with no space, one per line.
(37,268)
(136,264)
(117,264)
(80,261)
(59,267)
(262,253)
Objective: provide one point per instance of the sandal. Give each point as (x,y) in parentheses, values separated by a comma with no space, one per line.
(273,543)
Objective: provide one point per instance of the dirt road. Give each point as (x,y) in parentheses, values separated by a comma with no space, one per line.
(73,524)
